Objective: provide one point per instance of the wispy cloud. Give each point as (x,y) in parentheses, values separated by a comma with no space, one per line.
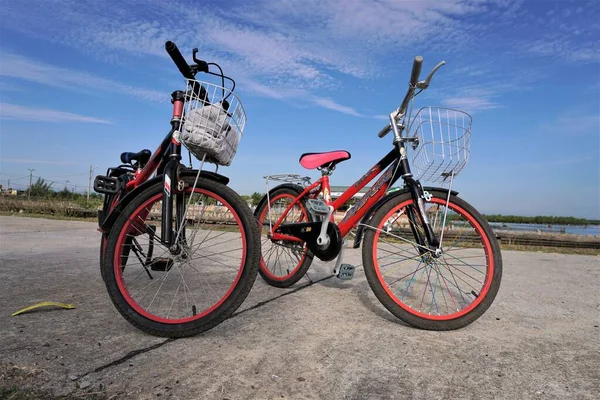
(573,125)
(267,41)
(21,113)
(33,161)
(565,49)
(471,104)
(381,117)
(332,105)
(16,66)
(568,32)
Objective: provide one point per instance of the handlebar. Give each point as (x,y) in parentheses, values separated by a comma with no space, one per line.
(178,59)
(416,70)
(188,71)
(384,131)
(413,84)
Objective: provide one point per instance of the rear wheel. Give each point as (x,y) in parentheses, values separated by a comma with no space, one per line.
(427,290)
(182,291)
(282,263)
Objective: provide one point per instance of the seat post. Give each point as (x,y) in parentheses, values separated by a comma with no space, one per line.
(327,171)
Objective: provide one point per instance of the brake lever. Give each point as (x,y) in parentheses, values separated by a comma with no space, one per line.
(425,84)
(201,66)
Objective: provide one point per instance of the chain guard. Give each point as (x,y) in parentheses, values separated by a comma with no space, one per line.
(332,250)
(309,232)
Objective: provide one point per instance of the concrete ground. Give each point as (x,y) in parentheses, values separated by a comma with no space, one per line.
(327,340)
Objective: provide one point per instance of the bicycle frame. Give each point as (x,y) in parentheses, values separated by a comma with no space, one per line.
(397,166)
(165,161)
(353,216)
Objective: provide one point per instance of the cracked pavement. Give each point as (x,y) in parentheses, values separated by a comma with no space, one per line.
(322,338)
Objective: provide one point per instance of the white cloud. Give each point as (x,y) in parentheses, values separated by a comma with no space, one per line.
(332,105)
(21,113)
(471,104)
(565,49)
(269,37)
(15,66)
(34,161)
(266,44)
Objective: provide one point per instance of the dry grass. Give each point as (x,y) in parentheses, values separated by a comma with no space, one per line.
(47,207)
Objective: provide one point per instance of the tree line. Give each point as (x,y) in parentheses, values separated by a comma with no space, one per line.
(41,188)
(544,220)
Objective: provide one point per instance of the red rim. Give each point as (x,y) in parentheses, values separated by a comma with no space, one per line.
(487,249)
(131,301)
(263,266)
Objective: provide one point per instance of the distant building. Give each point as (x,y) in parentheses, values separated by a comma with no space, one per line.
(337,191)
(8,191)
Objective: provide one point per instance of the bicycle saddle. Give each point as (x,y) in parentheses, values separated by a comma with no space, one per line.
(141,156)
(329,159)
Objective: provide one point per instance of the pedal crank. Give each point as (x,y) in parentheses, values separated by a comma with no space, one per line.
(343,271)
(323,239)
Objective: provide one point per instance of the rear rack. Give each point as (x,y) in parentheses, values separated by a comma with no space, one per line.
(288,178)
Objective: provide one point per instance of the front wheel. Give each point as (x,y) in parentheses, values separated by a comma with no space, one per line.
(427,290)
(197,283)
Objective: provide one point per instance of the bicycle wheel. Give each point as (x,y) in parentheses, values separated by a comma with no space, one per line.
(432,292)
(282,263)
(204,282)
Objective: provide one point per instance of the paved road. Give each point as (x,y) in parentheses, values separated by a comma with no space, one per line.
(330,339)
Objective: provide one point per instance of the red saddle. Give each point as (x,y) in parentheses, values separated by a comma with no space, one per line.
(329,158)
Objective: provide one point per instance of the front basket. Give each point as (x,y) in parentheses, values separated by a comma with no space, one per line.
(443,142)
(213,123)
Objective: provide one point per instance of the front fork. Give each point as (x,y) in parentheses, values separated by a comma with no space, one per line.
(171,182)
(417,215)
(418,194)
(170,179)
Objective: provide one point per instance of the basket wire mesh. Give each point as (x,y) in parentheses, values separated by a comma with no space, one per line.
(443,142)
(213,122)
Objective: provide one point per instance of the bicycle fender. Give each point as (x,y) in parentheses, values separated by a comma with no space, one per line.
(367,217)
(112,216)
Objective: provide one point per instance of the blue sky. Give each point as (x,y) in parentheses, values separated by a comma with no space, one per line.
(81,81)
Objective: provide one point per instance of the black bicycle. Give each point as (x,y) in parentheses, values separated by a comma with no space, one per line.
(180,249)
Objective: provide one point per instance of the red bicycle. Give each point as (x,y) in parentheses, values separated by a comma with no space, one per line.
(429,256)
(180,249)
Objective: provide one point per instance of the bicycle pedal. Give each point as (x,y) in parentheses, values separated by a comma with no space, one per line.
(161,264)
(346,272)
(317,206)
(106,185)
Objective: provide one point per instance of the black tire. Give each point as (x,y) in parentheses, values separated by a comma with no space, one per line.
(109,199)
(194,322)
(451,271)
(295,273)
(103,240)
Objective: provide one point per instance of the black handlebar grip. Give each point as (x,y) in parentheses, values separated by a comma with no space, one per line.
(178,59)
(384,131)
(416,70)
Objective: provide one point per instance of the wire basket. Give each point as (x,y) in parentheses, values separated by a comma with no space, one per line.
(443,142)
(213,122)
